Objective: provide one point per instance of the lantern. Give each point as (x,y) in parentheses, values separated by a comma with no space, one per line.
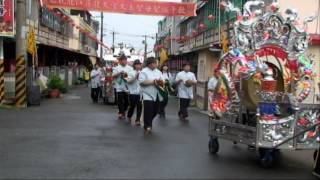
(223,5)
(211,17)
(66,18)
(202,26)
(194,32)
(58,13)
(275,7)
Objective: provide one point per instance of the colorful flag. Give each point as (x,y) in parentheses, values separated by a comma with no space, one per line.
(32,46)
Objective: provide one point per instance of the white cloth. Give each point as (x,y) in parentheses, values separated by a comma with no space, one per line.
(184,91)
(120,85)
(95,78)
(212,83)
(133,84)
(42,81)
(150,92)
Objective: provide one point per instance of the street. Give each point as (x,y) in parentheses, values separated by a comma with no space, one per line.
(73,138)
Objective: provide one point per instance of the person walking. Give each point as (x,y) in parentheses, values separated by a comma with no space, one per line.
(213,82)
(86,76)
(95,83)
(167,77)
(149,77)
(185,81)
(119,73)
(135,99)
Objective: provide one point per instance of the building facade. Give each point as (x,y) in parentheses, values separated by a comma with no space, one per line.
(63,44)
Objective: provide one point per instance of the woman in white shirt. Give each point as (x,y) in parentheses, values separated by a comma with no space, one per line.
(166,76)
(185,80)
(148,79)
(135,99)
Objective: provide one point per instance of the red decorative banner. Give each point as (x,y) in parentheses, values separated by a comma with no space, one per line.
(142,7)
(7,18)
(273,50)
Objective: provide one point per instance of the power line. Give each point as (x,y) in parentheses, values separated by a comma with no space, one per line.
(128,34)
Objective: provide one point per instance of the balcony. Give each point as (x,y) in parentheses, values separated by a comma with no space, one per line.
(200,41)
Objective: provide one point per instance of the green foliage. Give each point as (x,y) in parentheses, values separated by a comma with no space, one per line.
(56,82)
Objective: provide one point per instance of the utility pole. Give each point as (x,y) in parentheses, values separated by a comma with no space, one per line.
(21,61)
(101,38)
(156,53)
(113,34)
(145,47)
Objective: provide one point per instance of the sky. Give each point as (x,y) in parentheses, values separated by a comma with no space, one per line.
(124,24)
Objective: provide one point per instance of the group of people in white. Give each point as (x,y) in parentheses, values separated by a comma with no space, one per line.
(138,90)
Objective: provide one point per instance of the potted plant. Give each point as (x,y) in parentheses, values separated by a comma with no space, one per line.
(56,86)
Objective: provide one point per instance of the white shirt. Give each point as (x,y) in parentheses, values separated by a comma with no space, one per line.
(166,76)
(150,93)
(133,84)
(120,85)
(95,78)
(184,91)
(212,83)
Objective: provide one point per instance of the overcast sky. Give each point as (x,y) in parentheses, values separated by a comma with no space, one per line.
(130,24)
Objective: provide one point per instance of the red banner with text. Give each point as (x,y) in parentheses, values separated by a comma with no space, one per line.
(142,7)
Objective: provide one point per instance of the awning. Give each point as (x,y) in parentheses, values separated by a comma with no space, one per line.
(64,48)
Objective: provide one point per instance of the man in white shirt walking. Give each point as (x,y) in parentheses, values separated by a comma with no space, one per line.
(185,80)
(120,72)
(148,79)
(135,99)
(212,84)
(95,83)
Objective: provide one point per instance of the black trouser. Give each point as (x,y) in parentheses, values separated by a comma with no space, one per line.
(163,105)
(122,102)
(150,112)
(184,104)
(95,94)
(135,101)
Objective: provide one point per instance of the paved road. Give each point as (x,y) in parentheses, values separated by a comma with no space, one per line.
(73,138)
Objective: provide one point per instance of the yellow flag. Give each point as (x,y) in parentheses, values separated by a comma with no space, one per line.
(32,47)
(225,42)
(163,57)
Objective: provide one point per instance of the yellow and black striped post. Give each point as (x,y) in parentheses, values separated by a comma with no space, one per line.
(1,80)
(21,82)
(2,95)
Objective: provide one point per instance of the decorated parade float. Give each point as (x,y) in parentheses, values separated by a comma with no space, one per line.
(266,91)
